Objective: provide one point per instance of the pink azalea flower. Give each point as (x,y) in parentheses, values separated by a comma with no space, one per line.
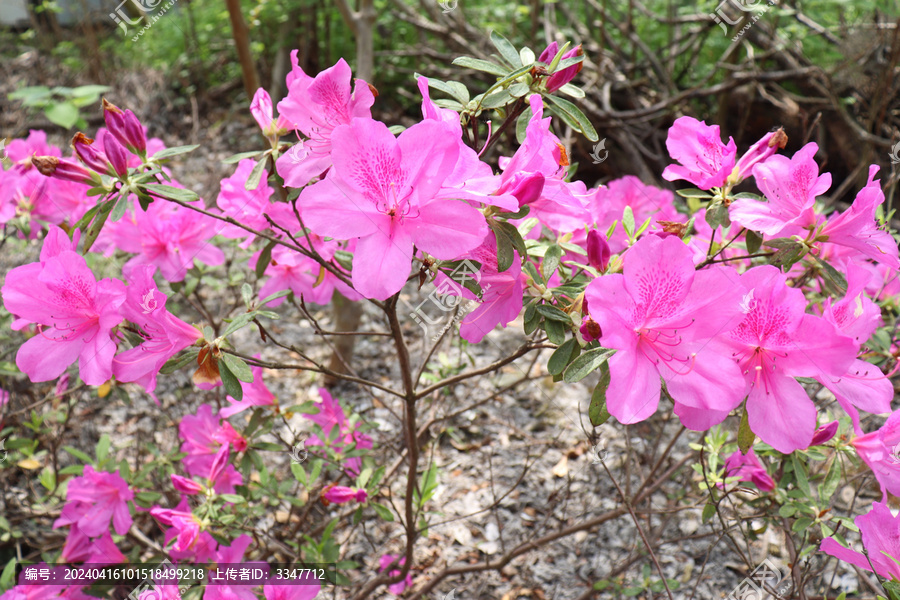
(557,205)
(125,127)
(748,468)
(338,494)
(27,590)
(664,317)
(501,298)
(331,415)
(74,312)
(471,179)
(791,186)
(255,394)
(161,592)
(164,334)
(646,201)
(104,496)
(383,190)
(776,342)
(705,160)
(230,555)
(598,251)
(863,385)
(303,275)
(169,236)
(590,330)
(561,78)
(201,550)
(880,532)
(261,109)
(276,591)
(185,485)
(759,152)
(247,207)
(185,524)
(100,551)
(880,450)
(857,228)
(316,106)
(384,562)
(204,435)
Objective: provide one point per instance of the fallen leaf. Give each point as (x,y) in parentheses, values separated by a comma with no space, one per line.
(29,463)
(562,467)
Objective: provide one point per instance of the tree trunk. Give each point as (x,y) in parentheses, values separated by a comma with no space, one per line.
(365,41)
(242,44)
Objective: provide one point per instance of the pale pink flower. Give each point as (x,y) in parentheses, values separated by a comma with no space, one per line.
(880,450)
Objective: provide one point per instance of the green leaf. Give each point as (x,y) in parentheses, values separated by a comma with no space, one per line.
(585,364)
(497,99)
(708,511)
(505,255)
(265,257)
(801,524)
(383,511)
(583,123)
(102,449)
(97,225)
(562,356)
(180,361)
(30,95)
(551,261)
(232,385)
(7,578)
(787,254)
(239,157)
(510,231)
(572,91)
(233,498)
(553,314)
(832,479)
(79,455)
(247,294)
(169,152)
(754,242)
(173,193)
(256,174)
(717,214)
(89,91)
(800,475)
(522,124)
(597,412)
(693,193)
(506,49)
(118,210)
(64,114)
(833,276)
(556,332)
(480,65)
(238,367)
(628,222)
(745,435)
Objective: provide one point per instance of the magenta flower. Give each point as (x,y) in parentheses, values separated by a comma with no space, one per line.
(857,228)
(557,205)
(776,342)
(100,551)
(705,160)
(200,550)
(383,190)
(164,334)
(230,555)
(255,394)
(331,415)
(169,236)
(27,590)
(185,485)
(768,145)
(247,207)
(664,317)
(104,496)
(185,524)
(261,109)
(748,468)
(204,435)
(608,203)
(880,532)
(560,78)
(590,330)
(598,252)
(863,386)
(791,186)
(880,450)
(384,562)
(502,292)
(74,312)
(316,106)
(303,275)
(338,494)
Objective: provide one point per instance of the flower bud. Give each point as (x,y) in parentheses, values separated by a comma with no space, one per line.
(824,433)
(560,78)
(219,463)
(338,494)
(65,170)
(126,128)
(117,155)
(598,251)
(91,155)
(527,189)
(758,152)
(185,485)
